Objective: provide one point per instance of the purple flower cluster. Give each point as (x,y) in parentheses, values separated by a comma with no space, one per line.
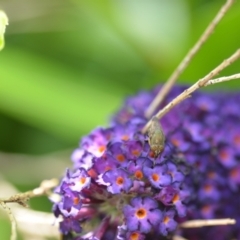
(119,189)
(205,130)
(213,131)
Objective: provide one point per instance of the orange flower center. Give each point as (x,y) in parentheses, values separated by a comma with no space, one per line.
(138,174)
(134,236)
(155,177)
(203,106)
(92,173)
(135,152)
(120,157)
(120,181)
(175,198)
(125,137)
(141,213)
(76,200)
(82,180)
(211,175)
(107,168)
(175,142)
(208,188)
(234,173)
(166,219)
(224,155)
(236,139)
(102,148)
(205,209)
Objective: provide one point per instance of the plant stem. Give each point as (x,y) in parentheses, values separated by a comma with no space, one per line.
(200,83)
(173,78)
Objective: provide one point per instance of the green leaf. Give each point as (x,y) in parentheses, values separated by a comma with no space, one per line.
(3,23)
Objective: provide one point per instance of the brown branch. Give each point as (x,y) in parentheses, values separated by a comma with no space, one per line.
(200,83)
(177,237)
(12,220)
(207,222)
(22,198)
(173,78)
(219,68)
(222,79)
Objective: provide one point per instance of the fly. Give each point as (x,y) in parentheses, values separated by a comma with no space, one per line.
(156,137)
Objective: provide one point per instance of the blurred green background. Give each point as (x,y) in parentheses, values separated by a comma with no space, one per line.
(68,65)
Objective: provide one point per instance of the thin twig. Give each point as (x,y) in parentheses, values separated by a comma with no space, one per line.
(173,78)
(30,223)
(207,222)
(219,68)
(222,79)
(22,198)
(177,237)
(200,83)
(12,220)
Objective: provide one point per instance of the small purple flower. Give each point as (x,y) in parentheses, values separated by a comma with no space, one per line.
(158,176)
(124,234)
(139,102)
(67,212)
(117,151)
(130,130)
(209,191)
(177,202)
(195,130)
(135,236)
(176,175)
(121,232)
(173,196)
(179,141)
(206,103)
(136,167)
(168,224)
(104,163)
(134,149)
(142,214)
(118,180)
(235,139)
(70,224)
(208,211)
(198,162)
(82,159)
(167,194)
(123,116)
(226,157)
(79,180)
(234,177)
(97,141)
(70,204)
(216,176)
